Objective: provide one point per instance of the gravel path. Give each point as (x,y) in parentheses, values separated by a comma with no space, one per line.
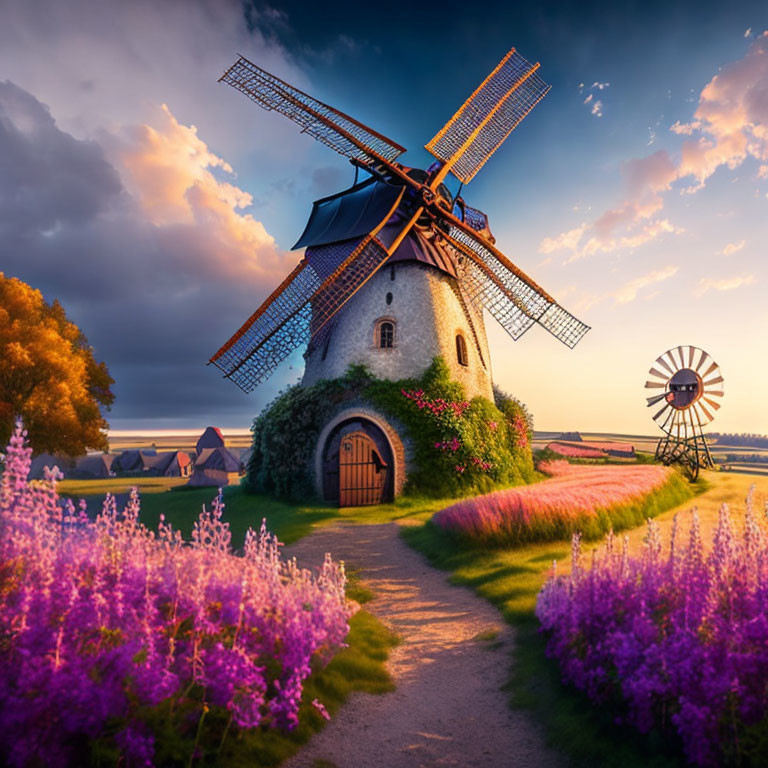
(448,708)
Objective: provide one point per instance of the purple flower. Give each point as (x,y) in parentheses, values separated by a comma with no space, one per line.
(104,619)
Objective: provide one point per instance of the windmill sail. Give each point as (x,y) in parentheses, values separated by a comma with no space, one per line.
(302,305)
(347,240)
(333,128)
(488,116)
(533,303)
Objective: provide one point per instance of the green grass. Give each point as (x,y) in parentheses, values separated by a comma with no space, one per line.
(288,521)
(241,510)
(146,485)
(510,579)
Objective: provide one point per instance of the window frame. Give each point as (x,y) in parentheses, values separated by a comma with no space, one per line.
(377,332)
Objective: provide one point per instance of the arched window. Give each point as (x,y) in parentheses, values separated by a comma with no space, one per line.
(386,334)
(461,350)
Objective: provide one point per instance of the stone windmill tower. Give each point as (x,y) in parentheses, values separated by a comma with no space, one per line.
(396,271)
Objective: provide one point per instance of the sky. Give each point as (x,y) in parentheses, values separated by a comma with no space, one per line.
(160,206)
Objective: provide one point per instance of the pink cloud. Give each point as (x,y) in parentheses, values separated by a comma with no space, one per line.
(630,290)
(169,171)
(724,284)
(730,125)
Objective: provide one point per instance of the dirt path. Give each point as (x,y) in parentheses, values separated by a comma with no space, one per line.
(448,708)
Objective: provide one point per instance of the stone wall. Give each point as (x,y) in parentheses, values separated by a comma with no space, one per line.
(427,315)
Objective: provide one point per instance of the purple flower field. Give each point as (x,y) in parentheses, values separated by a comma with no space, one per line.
(102,622)
(674,639)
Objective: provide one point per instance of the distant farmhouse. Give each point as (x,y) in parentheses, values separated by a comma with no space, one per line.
(150,462)
(39,463)
(213,463)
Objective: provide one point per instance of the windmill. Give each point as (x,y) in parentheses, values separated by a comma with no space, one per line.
(691,386)
(351,236)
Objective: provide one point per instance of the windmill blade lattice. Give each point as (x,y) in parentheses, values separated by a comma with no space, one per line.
(302,310)
(488,116)
(528,298)
(303,304)
(340,132)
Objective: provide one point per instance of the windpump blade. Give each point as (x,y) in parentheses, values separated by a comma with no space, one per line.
(663,363)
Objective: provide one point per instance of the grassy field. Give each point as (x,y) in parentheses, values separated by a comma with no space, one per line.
(509,578)
(183,441)
(100,487)
(647,444)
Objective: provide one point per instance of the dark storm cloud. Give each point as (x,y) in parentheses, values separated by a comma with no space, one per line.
(155,298)
(47,177)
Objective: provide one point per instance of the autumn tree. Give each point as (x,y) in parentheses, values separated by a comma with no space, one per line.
(48,375)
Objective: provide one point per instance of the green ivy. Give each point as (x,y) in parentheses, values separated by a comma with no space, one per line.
(493,438)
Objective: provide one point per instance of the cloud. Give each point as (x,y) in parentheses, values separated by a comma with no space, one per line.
(47,177)
(131,213)
(595,105)
(629,291)
(725,284)
(732,248)
(158,259)
(564,241)
(729,125)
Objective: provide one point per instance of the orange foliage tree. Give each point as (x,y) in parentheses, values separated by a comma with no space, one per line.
(48,375)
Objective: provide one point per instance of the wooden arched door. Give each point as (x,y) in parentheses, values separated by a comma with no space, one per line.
(357,465)
(362,471)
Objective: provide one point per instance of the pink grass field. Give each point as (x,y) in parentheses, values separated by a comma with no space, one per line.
(591,499)
(573,452)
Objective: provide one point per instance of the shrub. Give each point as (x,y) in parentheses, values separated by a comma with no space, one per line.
(111,634)
(458,446)
(677,641)
(590,499)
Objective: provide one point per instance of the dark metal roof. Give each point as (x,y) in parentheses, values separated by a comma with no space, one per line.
(349,216)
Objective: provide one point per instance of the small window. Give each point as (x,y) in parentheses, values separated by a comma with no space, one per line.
(392,272)
(461,350)
(386,335)
(389,298)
